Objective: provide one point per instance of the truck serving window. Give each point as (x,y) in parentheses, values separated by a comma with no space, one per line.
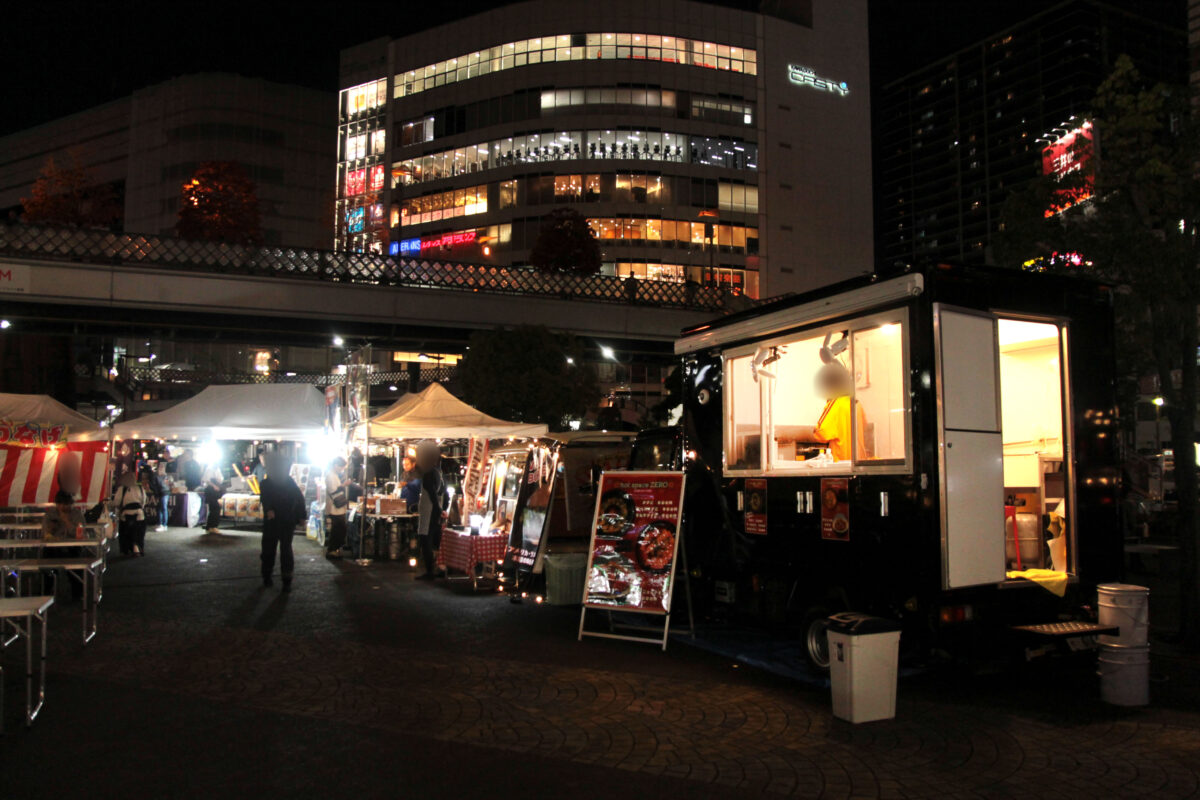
(832,399)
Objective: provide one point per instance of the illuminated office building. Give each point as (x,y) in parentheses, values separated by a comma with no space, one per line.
(701,142)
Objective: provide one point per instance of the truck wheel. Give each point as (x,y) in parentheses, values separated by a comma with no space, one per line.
(814,626)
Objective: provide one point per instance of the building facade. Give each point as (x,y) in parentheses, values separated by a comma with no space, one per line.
(956,137)
(148,144)
(701,143)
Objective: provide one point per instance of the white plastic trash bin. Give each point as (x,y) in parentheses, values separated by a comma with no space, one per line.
(1125,674)
(864,661)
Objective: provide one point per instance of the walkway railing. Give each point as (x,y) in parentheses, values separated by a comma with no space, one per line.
(104,247)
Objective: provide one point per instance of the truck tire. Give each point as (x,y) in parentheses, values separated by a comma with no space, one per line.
(813,627)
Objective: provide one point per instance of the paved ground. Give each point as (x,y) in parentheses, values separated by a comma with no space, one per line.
(365,683)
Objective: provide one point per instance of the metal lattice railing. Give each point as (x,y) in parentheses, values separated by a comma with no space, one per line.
(158,376)
(105,247)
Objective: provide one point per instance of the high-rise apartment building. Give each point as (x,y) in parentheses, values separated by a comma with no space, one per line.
(956,137)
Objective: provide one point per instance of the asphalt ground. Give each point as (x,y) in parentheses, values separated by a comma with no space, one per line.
(364,682)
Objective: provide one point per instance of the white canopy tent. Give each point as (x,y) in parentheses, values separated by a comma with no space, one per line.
(45,410)
(434,413)
(287,411)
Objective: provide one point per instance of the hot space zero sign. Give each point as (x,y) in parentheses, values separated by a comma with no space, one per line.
(806,76)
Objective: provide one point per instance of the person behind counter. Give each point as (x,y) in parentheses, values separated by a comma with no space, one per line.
(61,523)
(410,484)
(337,500)
(283,509)
(834,428)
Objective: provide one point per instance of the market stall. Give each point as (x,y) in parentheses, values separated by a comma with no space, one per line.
(46,447)
(434,413)
(239,412)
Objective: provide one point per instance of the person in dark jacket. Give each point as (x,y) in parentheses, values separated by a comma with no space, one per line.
(283,509)
(431,505)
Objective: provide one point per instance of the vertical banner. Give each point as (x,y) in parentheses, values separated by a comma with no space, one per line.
(333,410)
(533,504)
(756,506)
(477,455)
(635,541)
(835,509)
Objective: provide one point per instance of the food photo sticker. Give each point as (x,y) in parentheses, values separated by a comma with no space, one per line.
(635,541)
(835,509)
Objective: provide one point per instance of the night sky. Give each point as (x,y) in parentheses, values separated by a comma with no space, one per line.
(62,57)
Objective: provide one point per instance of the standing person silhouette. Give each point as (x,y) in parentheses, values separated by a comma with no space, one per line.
(283,509)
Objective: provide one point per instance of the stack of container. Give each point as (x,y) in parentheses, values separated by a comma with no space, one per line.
(1125,658)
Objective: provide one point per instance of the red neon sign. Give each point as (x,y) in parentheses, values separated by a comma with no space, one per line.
(448,240)
(377,178)
(356,181)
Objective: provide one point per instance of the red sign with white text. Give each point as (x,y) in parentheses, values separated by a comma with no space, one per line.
(756,506)
(1067,155)
(635,540)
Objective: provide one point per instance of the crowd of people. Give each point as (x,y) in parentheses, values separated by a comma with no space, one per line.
(141,493)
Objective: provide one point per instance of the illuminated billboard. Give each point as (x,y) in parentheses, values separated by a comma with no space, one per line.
(1063,157)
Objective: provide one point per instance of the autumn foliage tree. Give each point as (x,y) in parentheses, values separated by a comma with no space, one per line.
(565,243)
(220,204)
(67,193)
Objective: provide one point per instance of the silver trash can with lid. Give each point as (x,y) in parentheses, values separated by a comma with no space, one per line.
(864,661)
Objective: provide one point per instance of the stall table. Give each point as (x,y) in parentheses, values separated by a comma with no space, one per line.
(84,568)
(462,552)
(377,535)
(28,609)
(97,545)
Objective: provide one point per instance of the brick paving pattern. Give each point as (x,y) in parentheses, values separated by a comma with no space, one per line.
(686,717)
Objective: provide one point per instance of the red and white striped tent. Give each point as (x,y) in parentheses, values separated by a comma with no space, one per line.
(59,449)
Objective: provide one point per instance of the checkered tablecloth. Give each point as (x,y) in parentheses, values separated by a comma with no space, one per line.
(462,551)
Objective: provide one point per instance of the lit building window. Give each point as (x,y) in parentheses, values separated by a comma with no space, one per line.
(577,47)
(443,205)
(571,145)
(262,361)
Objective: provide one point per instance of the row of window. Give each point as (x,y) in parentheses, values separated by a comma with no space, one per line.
(359,145)
(577,47)
(364,97)
(444,205)
(565,146)
(788,408)
(530,104)
(624,187)
(675,233)
(535,190)
(738,280)
(706,107)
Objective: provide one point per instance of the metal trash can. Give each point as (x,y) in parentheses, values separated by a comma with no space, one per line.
(864,660)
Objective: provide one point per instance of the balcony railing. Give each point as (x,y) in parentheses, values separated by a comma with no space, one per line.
(104,247)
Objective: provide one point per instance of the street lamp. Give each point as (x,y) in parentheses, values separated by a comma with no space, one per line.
(5,324)
(338,341)
(1158,404)
(608,352)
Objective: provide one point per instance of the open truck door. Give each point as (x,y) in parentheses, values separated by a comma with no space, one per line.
(971,447)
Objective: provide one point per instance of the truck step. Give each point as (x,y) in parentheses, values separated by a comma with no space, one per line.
(1066,630)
